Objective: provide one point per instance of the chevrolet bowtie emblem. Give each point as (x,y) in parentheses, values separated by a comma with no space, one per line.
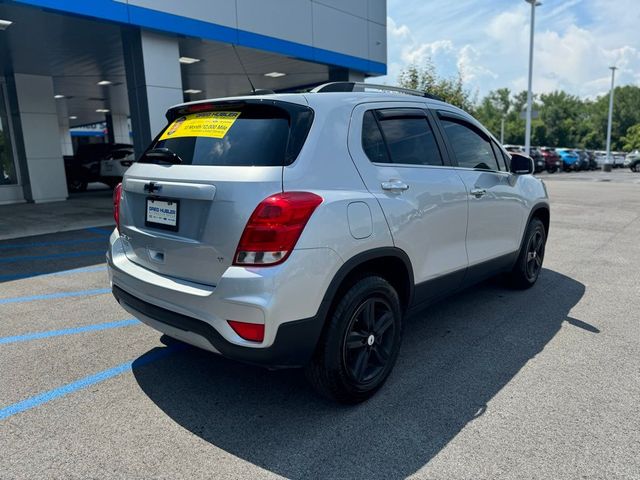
(152,187)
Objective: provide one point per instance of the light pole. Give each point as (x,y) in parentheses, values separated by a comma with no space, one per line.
(527,133)
(613,76)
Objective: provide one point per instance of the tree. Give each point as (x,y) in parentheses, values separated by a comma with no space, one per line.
(493,109)
(561,114)
(632,139)
(626,113)
(564,120)
(426,79)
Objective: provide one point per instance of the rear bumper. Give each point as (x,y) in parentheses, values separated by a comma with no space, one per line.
(288,299)
(293,345)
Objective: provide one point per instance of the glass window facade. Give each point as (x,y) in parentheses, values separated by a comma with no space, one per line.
(8,174)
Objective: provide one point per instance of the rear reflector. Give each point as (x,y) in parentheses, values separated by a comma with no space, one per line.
(117,196)
(253,332)
(275,227)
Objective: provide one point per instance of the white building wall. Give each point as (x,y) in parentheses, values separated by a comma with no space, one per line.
(66,145)
(351,27)
(120,128)
(41,137)
(261,17)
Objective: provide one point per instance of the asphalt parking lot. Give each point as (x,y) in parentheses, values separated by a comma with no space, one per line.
(491,383)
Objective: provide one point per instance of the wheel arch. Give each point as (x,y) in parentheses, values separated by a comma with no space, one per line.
(391,263)
(542,212)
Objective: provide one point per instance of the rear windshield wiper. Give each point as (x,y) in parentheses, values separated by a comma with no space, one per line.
(160,155)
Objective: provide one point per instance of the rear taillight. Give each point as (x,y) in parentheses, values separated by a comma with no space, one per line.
(117,196)
(274,228)
(253,332)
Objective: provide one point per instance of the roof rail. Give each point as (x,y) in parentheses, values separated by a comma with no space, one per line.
(361,86)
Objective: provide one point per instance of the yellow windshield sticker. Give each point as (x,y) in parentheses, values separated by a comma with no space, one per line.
(203,124)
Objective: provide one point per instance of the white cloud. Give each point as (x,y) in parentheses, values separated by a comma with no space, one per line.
(419,53)
(398,31)
(469,66)
(575,42)
(449,59)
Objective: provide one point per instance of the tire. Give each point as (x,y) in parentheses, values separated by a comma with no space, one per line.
(527,269)
(360,344)
(638,167)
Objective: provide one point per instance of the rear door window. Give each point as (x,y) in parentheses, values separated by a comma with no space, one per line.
(238,135)
(372,141)
(401,136)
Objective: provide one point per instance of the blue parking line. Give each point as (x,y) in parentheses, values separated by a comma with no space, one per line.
(31,258)
(18,276)
(100,231)
(52,296)
(67,331)
(52,244)
(85,382)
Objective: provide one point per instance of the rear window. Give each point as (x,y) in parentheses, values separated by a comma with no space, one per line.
(240,134)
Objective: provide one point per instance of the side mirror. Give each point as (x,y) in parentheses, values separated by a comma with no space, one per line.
(521,164)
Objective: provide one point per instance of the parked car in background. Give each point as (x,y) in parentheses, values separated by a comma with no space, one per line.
(552,160)
(534,153)
(538,159)
(587,160)
(570,159)
(583,159)
(618,159)
(85,166)
(632,161)
(601,158)
(593,164)
(115,164)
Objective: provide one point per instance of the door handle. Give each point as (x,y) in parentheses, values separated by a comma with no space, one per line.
(478,192)
(395,186)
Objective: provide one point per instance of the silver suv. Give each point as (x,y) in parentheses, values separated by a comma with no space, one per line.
(297,230)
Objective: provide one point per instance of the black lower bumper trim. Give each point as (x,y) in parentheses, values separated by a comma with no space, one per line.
(293,346)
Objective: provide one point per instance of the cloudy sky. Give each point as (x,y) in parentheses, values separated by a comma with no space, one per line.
(488,41)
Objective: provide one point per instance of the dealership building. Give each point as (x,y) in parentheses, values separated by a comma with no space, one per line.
(66,64)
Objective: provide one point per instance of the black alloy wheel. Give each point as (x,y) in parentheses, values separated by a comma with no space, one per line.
(535,255)
(360,342)
(369,340)
(528,266)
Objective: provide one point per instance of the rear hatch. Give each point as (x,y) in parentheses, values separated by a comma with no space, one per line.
(184,209)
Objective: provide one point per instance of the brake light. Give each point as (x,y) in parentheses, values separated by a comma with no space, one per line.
(117,196)
(274,228)
(199,107)
(253,332)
